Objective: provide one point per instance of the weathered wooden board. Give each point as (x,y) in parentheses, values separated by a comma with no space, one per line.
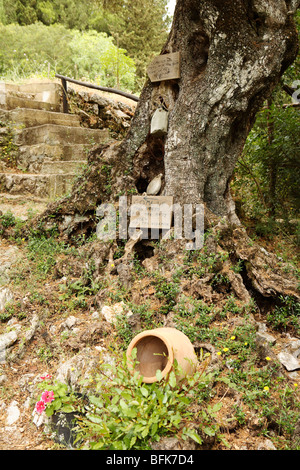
(165,67)
(152,212)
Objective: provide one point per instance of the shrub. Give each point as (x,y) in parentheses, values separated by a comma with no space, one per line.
(38,49)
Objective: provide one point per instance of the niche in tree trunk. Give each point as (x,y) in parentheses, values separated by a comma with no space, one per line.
(149,162)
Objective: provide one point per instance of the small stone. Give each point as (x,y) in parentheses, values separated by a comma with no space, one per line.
(39,419)
(13,413)
(7,340)
(288,361)
(3,378)
(263,334)
(95,315)
(293,347)
(110,312)
(6,296)
(69,323)
(266,445)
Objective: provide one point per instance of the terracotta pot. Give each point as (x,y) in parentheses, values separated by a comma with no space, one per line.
(158,349)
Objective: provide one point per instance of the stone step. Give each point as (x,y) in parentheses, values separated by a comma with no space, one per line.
(33,154)
(8,101)
(44,165)
(45,92)
(64,167)
(55,135)
(43,186)
(35,117)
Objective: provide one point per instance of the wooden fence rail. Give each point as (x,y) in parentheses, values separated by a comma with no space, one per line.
(64,81)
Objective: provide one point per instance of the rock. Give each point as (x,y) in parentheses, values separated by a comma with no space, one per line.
(13,413)
(8,258)
(135,322)
(39,419)
(69,323)
(3,378)
(263,335)
(293,347)
(33,327)
(77,367)
(288,361)
(172,443)
(7,340)
(150,264)
(70,220)
(125,276)
(110,312)
(29,334)
(266,445)
(5,297)
(95,315)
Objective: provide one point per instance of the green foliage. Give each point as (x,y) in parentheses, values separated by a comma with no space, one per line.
(286,315)
(8,149)
(125,413)
(70,13)
(276,405)
(266,182)
(89,55)
(43,251)
(166,291)
(139,27)
(8,219)
(95,56)
(147,33)
(270,164)
(64,400)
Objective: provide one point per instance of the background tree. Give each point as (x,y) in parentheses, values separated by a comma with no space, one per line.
(37,48)
(266,179)
(141,29)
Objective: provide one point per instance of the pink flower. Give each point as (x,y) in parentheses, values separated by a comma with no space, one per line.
(40,407)
(47,376)
(47,396)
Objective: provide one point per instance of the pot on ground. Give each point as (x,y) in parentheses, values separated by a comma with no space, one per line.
(159,349)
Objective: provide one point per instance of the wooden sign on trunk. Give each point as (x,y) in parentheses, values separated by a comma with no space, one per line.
(151,212)
(165,67)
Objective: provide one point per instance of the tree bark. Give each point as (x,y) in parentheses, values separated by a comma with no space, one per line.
(233,53)
(232,56)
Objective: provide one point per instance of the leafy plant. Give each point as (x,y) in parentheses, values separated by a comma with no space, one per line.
(8,148)
(166,291)
(286,315)
(8,219)
(124,413)
(57,397)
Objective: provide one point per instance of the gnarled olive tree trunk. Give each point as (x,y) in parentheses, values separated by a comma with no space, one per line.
(233,53)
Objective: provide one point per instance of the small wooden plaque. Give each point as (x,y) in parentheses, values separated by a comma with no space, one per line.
(165,67)
(152,212)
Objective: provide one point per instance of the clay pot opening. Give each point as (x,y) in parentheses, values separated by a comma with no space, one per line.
(160,349)
(153,353)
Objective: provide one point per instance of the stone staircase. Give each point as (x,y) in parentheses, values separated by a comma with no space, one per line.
(51,146)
